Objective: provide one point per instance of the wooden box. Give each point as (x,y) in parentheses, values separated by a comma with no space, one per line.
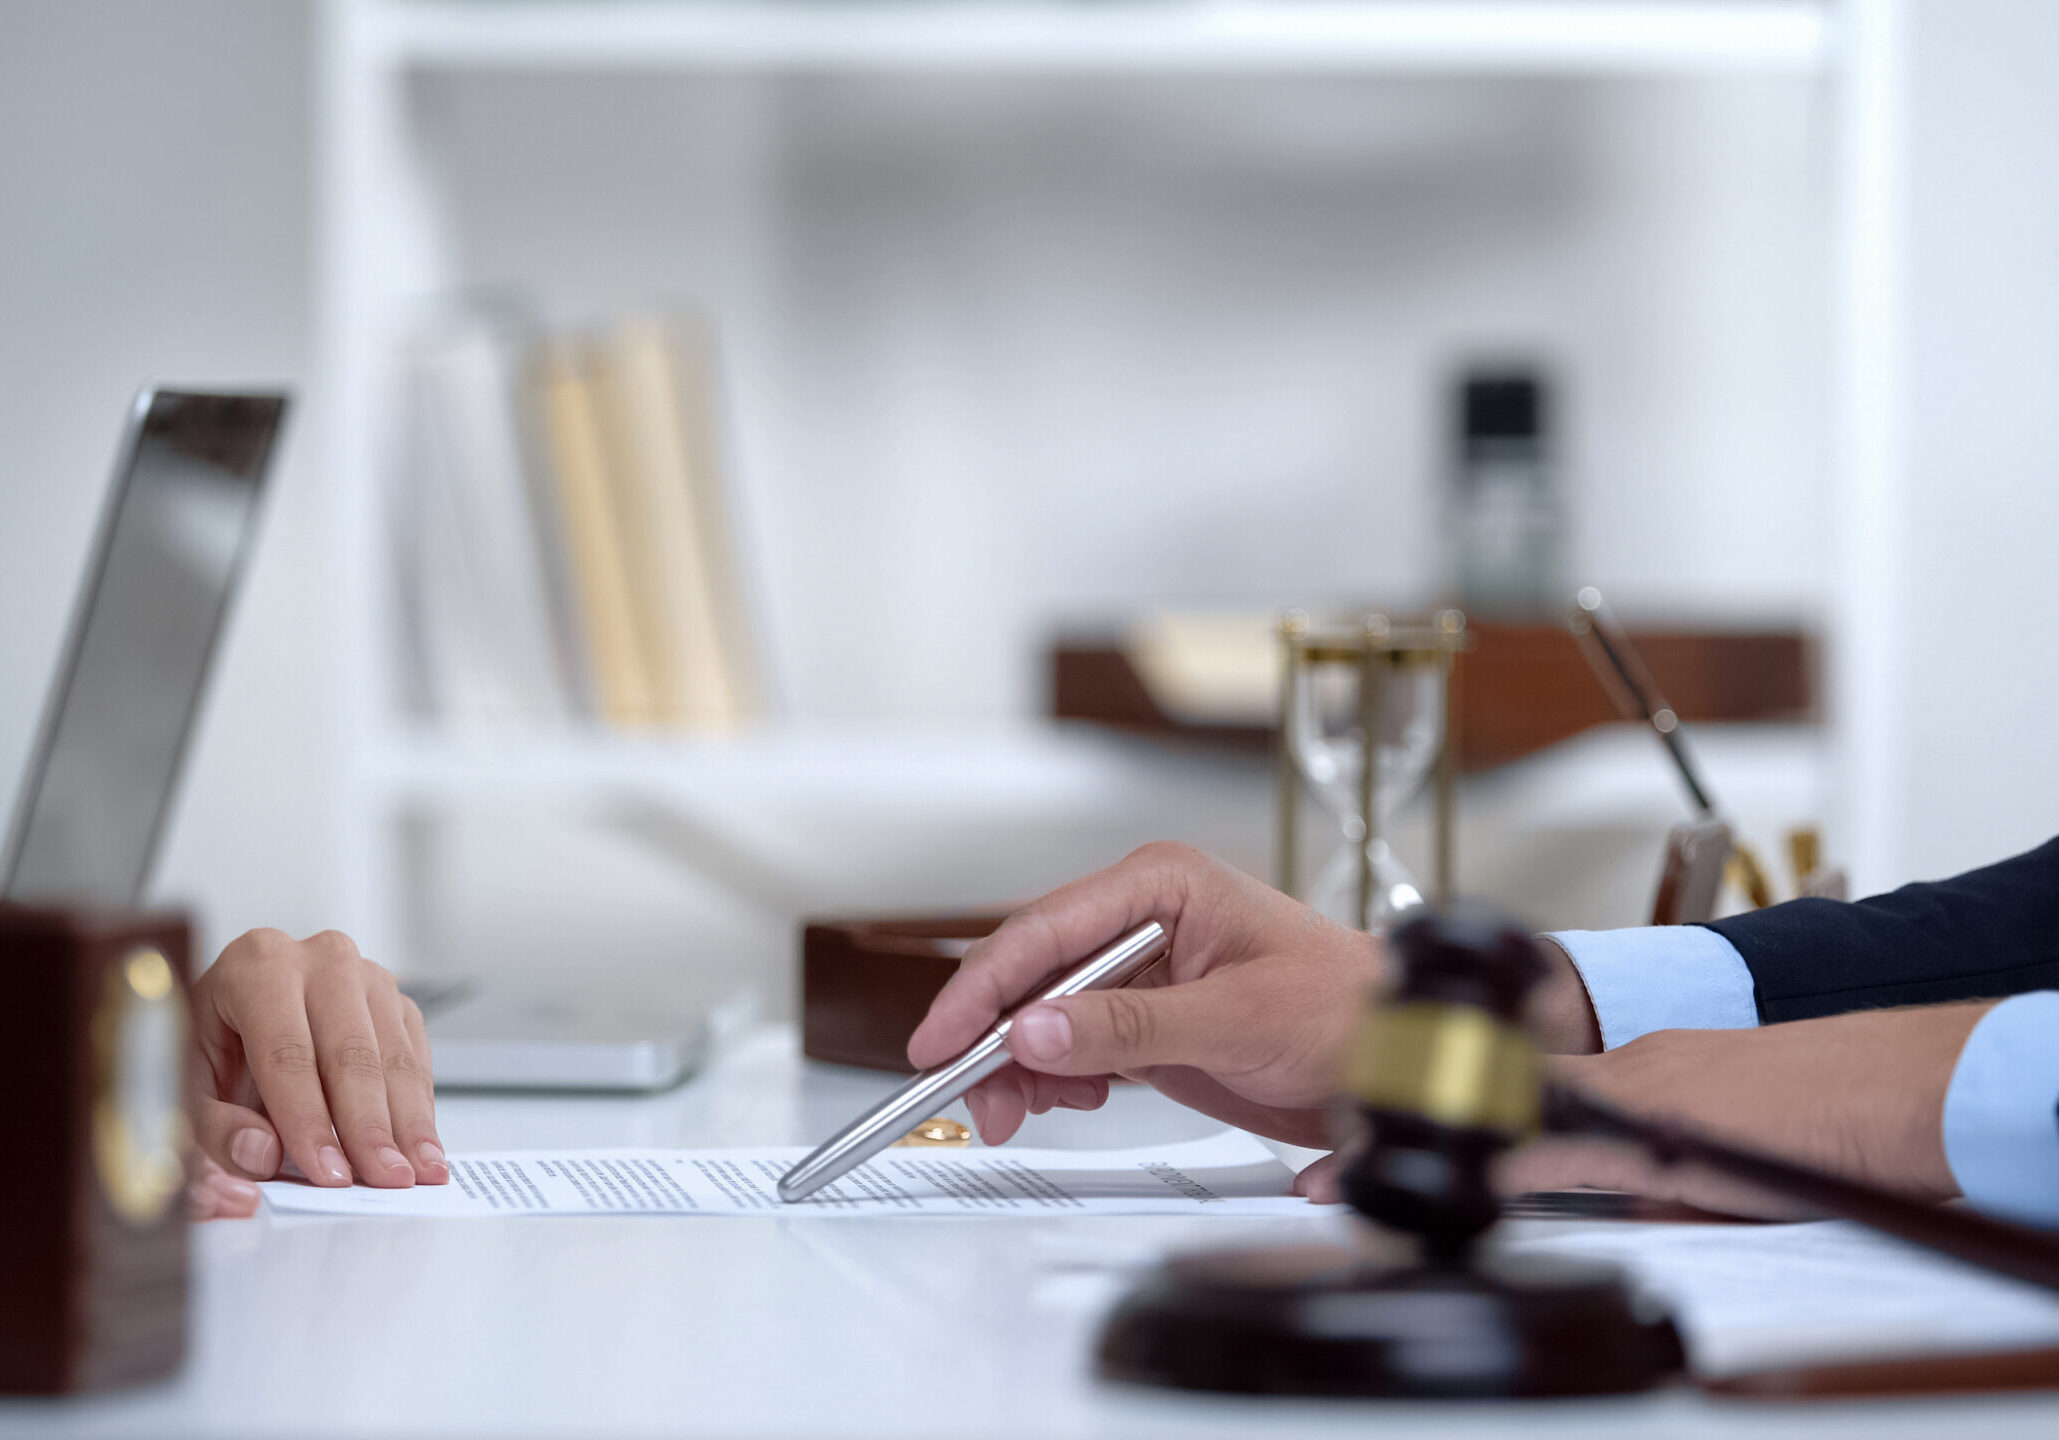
(866,984)
(93,1223)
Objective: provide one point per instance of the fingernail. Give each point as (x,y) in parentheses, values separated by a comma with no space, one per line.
(392,1159)
(252,1151)
(1044,1032)
(432,1156)
(329,1161)
(976,1103)
(241,1191)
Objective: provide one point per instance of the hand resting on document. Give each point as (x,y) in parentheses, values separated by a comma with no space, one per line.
(308,1052)
(1861,1095)
(1246,1018)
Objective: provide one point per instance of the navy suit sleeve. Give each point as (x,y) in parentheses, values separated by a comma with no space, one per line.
(1987,933)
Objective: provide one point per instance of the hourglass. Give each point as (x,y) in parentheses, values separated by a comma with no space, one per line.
(1371,690)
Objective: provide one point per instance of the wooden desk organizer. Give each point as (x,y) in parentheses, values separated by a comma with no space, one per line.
(93,1224)
(866,984)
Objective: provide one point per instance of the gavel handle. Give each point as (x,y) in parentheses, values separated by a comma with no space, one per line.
(2013,1250)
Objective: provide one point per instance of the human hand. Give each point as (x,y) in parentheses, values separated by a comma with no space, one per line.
(1859,1095)
(212,1193)
(308,1051)
(1242,1020)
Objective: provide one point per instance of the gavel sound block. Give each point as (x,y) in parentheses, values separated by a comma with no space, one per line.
(93,1225)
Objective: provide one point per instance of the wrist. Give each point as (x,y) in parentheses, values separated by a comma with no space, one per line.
(1560,1012)
(1905,1124)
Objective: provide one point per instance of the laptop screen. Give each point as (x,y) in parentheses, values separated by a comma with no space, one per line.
(101,779)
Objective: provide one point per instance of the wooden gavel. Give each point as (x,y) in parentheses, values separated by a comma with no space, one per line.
(1445,1078)
(1448,1078)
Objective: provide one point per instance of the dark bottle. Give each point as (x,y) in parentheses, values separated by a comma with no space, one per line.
(1504,522)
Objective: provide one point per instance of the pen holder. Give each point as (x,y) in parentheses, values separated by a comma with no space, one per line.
(866,984)
(93,1224)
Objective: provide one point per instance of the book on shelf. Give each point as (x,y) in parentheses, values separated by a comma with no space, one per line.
(571,410)
(494,639)
(656,377)
(565,543)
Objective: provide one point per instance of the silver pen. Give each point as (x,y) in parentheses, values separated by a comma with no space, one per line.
(939,1085)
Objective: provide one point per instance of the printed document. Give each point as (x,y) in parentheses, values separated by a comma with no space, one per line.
(1228,1174)
(1768,1296)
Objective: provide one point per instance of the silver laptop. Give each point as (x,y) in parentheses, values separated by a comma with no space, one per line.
(173,541)
(484,1040)
(105,769)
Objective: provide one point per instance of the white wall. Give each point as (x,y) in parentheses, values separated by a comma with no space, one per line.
(153,180)
(1982,561)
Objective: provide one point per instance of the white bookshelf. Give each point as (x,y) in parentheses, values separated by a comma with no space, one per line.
(949,774)
(381,247)
(1212,35)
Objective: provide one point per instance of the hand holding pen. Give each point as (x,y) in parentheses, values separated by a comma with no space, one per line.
(1241,1020)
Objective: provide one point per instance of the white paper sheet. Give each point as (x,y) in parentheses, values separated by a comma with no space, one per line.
(1228,1174)
(1753,1296)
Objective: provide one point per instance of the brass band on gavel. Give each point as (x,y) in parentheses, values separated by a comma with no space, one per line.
(1374,647)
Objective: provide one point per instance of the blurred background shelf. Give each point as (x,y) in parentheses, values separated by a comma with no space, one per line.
(1037,315)
(1521,689)
(764,830)
(1027,335)
(1589,36)
(954,774)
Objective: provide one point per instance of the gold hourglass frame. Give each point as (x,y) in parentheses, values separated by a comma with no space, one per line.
(1376,648)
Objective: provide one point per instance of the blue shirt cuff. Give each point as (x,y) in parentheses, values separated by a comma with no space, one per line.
(1661,977)
(2002,1111)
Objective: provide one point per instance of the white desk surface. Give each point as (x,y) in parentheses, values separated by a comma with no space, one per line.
(774,1327)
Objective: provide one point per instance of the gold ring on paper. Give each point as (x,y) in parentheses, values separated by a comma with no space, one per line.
(937,1131)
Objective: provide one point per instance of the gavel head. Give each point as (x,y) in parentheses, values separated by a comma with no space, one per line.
(1444,1077)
